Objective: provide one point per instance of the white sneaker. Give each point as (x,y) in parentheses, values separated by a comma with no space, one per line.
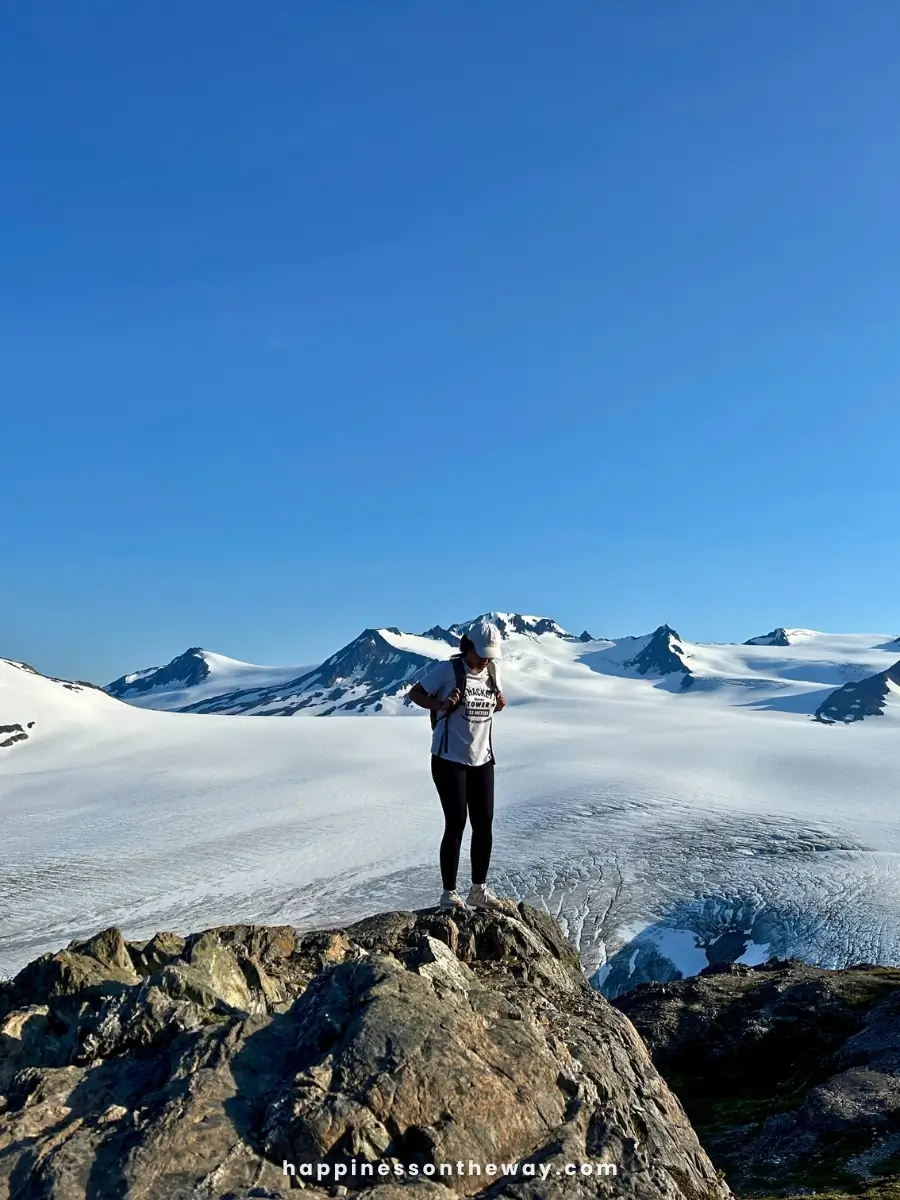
(452,899)
(481,896)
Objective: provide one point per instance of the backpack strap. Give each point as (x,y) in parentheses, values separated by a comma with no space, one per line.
(459,683)
(492,679)
(459,675)
(492,676)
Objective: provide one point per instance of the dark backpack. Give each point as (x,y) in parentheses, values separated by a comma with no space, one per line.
(459,682)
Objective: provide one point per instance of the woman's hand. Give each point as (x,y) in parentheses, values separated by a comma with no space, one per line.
(451,701)
(501,703)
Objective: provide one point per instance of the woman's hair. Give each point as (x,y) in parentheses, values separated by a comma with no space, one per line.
(465,644)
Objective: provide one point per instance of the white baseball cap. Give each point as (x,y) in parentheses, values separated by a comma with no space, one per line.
(485,637)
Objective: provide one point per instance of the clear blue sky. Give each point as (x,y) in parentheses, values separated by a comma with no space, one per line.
(322,315)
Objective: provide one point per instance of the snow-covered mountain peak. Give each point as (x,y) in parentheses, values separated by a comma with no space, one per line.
(509,623)
(662,654)
(373,647)
(783,637)
(192,677)
(371,673)
(185,670)
(776,637)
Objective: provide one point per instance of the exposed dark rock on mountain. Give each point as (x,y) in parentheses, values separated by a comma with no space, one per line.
(856,701)
(187,670)
(71,685)
(777,637)
(10,734)
(195,1067)
(662,655)
(506,623)
(790,1073)
(509,623)
(584,636)
(23,666)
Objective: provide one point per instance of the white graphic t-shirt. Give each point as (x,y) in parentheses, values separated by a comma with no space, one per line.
(469,725)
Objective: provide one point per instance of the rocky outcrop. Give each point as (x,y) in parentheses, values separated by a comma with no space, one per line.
(10,734)
(856,701)
(790,1073)
(197,1067)
(776,637)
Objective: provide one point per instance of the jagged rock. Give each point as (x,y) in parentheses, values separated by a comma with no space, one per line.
(109,949)
(159,951)
(790,1073)
(26,1039)
(196,1067)
(69,973)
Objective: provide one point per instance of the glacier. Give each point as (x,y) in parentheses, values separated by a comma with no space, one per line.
(666,828)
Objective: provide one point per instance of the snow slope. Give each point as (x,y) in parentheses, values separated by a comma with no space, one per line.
(34,707)
(664,826)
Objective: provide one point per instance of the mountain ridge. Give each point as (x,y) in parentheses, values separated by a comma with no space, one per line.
(372,672)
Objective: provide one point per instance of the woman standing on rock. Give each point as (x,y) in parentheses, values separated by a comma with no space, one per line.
(462,694)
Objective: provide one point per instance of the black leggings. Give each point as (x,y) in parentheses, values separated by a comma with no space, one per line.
(463,789)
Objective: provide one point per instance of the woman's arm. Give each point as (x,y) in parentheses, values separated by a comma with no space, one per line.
(419,696)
